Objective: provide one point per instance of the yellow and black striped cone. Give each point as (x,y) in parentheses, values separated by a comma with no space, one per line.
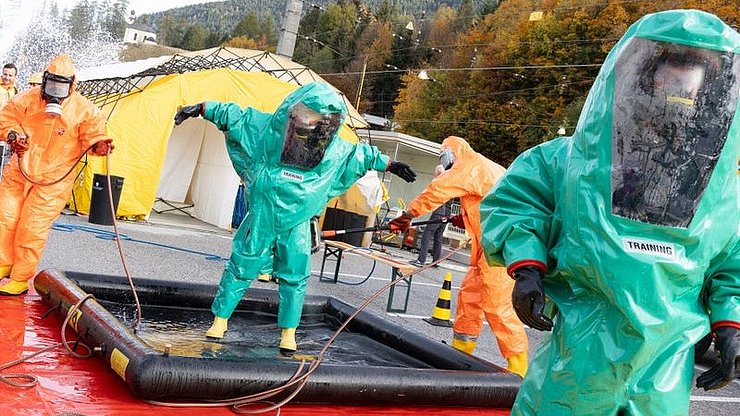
(441,312)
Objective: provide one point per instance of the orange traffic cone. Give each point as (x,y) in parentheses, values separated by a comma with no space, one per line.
(441,312)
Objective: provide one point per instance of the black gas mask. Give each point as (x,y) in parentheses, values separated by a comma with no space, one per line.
(446,158)
(54,89)
(307,136)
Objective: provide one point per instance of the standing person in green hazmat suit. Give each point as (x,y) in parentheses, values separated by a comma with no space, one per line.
(292,161)
(630,227)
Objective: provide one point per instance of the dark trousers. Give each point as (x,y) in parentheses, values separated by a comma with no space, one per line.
(431,231)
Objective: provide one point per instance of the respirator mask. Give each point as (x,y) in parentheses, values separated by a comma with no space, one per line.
(446,158)
(54,90)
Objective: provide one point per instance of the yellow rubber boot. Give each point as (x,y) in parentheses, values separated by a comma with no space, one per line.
(263,278)
(14,288)
(464,346)
(218,328)
(287,341)
(5,271)
(518,364)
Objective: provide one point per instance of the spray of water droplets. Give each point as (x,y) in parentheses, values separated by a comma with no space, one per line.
(31,35)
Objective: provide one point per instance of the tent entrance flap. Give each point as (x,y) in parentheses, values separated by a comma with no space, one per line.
(197,176)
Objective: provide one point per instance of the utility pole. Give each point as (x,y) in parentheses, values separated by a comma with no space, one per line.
(289,27)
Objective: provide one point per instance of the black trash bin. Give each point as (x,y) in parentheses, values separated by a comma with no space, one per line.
(339,219)
(99,203)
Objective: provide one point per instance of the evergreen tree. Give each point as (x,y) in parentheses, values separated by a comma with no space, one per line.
(269,30)
(170,31)
(115,17)
(81,19)
(248,26)
(194,38)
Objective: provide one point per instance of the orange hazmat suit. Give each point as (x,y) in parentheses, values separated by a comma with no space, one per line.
(55,143)
(485,290)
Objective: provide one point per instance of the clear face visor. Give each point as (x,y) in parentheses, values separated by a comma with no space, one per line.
(446,158)
(57,89)
(307,135)
(673,106)
(678,84)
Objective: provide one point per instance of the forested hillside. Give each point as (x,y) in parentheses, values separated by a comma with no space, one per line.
(223,16)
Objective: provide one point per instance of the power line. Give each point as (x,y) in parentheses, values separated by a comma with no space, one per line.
(457,46)
(486,68)
(492,123)
(495,93)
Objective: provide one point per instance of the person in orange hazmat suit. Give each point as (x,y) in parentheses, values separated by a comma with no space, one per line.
(48,129)
(35,79)
(485,290)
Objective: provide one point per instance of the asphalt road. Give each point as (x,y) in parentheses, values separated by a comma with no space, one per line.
(175,247)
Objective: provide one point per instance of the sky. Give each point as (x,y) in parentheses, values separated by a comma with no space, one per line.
(142,6)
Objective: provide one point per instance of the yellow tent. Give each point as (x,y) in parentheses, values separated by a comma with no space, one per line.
(187,163)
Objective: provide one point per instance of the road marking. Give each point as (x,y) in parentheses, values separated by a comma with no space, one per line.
(404,315)
(717,399)
(362,276)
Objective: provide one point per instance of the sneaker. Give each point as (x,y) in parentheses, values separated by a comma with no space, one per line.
(416,263)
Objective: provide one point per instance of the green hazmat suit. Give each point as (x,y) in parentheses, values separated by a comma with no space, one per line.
(282,198)
(638,229)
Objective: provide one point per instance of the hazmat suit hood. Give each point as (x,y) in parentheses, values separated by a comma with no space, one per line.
(317,97)
(454,149)
(459,146)
(663,158)
(686,213)
(61,67)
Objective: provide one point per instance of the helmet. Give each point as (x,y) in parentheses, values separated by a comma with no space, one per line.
(35,79)
(59,79)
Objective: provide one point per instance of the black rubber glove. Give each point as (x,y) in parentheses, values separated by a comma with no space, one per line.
(188,111)
(402,170)
(401,223)
(315,234)
(727,345)
(528,298)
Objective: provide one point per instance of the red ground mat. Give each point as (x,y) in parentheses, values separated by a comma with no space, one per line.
(88,387)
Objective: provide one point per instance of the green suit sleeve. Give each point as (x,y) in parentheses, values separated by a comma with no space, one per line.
(226,116)
(360,160)
(517,213)
(724,292)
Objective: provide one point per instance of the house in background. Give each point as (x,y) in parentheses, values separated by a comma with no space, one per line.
(379,123)
(138,33)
